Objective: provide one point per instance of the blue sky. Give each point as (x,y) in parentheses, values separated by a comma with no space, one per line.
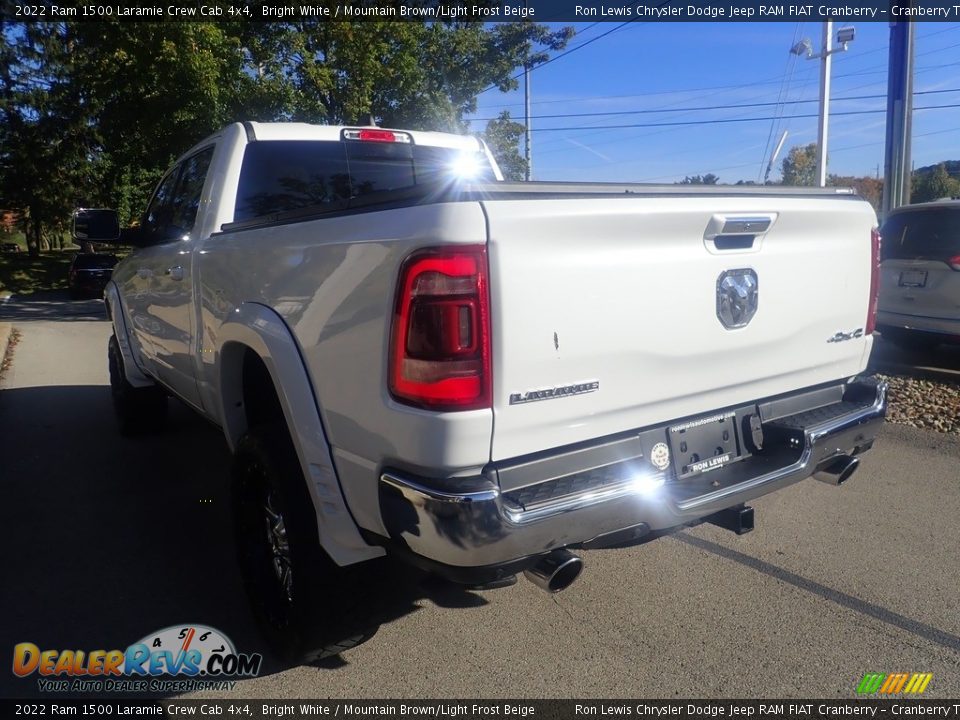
(675,66)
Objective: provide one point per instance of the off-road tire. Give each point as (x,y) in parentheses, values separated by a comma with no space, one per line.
(138,410)
(320,611)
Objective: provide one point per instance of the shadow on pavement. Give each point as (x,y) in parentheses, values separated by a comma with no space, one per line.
(107,539)
(50,305)
(941,362)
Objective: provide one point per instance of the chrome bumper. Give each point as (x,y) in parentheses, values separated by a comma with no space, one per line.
(473,523)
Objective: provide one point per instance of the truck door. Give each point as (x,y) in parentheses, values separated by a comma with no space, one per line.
(163,315)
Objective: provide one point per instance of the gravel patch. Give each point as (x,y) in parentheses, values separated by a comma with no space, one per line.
(929,404)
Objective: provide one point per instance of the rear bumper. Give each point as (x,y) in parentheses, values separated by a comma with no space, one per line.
(920,323)
(458,524)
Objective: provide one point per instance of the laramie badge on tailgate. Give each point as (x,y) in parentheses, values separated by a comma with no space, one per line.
(553,393)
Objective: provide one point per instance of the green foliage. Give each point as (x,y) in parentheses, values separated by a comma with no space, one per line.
(870,189)
(800,165)
(22,274)
(708,179)
(91,114)
(933,184)
(503,137)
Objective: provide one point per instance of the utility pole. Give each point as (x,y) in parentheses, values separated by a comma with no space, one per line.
(826,62)
(527,149)
(896,163)
(845,35)
(528,139)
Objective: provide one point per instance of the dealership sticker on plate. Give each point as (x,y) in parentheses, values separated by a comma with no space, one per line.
(660,456)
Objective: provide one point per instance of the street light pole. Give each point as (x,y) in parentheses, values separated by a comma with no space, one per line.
(845,35)
(826,56)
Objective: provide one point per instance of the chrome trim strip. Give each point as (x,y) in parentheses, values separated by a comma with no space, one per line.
(417,493)
(568,503)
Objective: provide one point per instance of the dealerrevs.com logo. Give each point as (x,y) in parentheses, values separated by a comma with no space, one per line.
(180,658)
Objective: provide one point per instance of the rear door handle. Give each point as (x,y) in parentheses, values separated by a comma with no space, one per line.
(175,273)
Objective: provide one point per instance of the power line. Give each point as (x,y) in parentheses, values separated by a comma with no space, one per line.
(839,149)
(728,120)
(574,49)
(677,128)
(701,108)
(772,80)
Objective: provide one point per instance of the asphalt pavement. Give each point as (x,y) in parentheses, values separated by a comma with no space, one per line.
(105,540)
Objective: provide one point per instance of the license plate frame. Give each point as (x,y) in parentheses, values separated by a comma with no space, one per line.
(912,279)
(704,444)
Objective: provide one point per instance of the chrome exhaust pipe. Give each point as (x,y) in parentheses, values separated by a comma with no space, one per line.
(837,470)
(555,572)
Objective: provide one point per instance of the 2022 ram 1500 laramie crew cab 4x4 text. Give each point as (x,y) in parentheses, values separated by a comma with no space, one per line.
(409,356)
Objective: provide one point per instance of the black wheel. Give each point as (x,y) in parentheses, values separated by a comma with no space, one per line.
(307,607)
(138,410)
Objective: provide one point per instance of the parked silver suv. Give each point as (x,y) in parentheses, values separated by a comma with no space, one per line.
(920,275)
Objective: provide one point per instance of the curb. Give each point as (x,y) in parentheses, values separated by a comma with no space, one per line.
(5,330)
(921,372)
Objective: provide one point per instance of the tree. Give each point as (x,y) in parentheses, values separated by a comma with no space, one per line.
(47,139)
(708,179)
(934,185)
(403,74)
(503,137)
(870,189)
(93,113)
(800,165)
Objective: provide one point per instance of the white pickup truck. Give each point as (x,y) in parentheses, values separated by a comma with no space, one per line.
(409,356)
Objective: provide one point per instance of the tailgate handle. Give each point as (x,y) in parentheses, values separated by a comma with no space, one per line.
(745,226)
(726,233)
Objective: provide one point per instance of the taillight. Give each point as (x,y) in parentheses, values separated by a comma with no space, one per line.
(440,340)
(376,135)
(874,280)
(954,262)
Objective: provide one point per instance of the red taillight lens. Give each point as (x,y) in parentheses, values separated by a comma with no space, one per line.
(440,341)
(874,280)
(377,136)
(954,262)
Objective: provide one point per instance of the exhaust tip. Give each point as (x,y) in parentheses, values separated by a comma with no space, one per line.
(556,572)
(838,470)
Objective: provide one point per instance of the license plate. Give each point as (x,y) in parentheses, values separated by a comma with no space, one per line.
(704,444)
(913,278)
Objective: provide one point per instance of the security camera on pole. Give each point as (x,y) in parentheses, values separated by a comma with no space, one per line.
(844,36)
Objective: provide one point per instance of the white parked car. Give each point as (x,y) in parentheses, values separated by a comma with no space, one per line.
(920,275)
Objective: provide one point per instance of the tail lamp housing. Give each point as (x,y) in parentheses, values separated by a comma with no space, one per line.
(440,338)
(874,280)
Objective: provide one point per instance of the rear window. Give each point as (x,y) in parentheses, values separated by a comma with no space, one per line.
(95,262)
(931,233)
(282,175)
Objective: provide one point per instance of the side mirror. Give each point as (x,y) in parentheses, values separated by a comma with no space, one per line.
(96,225)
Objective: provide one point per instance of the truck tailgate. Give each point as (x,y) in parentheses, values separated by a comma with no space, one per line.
(605,310)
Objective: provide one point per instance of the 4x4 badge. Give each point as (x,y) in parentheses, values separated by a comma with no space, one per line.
(843,337)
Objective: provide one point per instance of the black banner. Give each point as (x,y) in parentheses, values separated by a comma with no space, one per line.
(485,10)
(483,709)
